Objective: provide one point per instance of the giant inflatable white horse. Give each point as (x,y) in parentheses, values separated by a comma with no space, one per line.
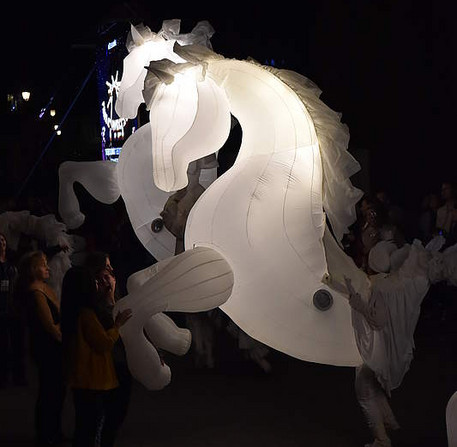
(263,240)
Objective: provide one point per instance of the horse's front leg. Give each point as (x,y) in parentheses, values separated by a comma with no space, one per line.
(160,329)
(193,281)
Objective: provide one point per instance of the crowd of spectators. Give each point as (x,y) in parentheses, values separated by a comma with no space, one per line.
(107,230)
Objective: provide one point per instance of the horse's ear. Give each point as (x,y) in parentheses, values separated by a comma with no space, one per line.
(136,36)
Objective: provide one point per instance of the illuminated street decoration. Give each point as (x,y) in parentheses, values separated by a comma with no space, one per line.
(114,130)
(261,227)
(115,125)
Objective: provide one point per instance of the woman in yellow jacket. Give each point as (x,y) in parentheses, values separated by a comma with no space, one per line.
(88,361)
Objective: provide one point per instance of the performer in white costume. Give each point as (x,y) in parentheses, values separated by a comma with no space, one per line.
(384,325)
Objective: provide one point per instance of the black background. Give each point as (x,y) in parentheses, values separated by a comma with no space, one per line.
(388,67)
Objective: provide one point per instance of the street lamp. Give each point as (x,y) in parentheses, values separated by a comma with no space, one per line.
(52,112)
(25,95)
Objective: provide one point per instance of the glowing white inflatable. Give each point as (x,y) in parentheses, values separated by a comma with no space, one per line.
(262,223)
(451,420)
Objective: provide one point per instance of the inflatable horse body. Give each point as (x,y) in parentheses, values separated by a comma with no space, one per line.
(257,241)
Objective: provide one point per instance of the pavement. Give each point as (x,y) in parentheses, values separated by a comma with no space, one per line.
(296,404)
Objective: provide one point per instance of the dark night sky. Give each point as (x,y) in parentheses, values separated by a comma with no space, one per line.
(388,67)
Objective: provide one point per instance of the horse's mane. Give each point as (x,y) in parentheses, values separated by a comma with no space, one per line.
(338,165)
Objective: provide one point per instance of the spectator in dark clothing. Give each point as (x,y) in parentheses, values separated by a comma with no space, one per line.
(43,312)
(395,214)
(427,219)
(12,327)
(446,215)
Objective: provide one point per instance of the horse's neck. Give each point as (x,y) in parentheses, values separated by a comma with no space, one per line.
(270,113)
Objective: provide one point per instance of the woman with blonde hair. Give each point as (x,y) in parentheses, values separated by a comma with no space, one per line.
(43,313)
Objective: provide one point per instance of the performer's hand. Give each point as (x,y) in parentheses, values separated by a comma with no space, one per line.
(349,286)
(122,317)
(65,247)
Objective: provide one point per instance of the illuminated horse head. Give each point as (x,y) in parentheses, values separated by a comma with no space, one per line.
(257,240)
